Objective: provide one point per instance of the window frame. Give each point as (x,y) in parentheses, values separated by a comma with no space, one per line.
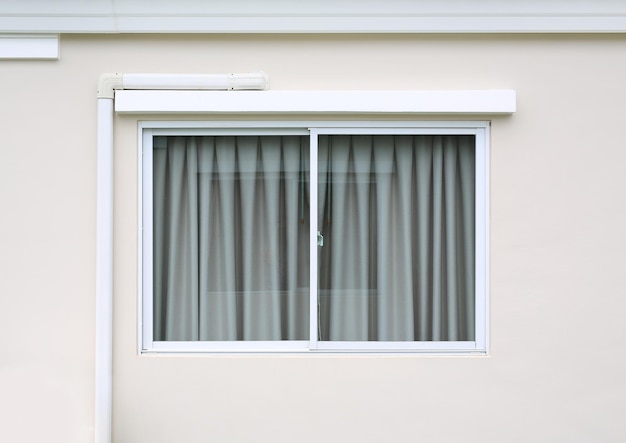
(148,129)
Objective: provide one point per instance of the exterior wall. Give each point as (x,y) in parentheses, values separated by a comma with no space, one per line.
(556,366)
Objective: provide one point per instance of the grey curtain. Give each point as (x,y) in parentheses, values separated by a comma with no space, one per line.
(397,216)
(231,238)
(231,231)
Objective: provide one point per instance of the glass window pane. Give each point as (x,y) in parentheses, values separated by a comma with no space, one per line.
(231,238)
(397,217)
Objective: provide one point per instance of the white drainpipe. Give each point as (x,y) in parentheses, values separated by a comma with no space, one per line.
(107,85)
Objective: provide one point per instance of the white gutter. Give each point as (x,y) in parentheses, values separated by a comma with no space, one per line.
(107,85)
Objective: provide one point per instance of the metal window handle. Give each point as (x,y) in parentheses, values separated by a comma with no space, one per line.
(320,239)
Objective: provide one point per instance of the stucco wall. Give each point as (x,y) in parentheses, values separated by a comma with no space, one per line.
(557,362)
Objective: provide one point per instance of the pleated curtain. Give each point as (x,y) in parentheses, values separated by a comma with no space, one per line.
(231,238)
(231,230)
(397,217)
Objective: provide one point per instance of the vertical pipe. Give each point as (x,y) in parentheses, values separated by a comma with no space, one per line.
(104,273)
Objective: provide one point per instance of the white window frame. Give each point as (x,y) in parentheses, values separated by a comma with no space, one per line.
(147,130)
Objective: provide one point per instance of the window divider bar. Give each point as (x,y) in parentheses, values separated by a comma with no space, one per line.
(313,279)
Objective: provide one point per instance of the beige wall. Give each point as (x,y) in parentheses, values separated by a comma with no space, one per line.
(557,362)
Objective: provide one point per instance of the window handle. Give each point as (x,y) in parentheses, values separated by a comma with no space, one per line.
(320,239)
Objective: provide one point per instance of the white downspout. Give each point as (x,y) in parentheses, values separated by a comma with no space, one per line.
(104,259)
(107,85)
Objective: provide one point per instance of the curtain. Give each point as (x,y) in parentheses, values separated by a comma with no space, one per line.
(231,231)
(397,217)
(231,238)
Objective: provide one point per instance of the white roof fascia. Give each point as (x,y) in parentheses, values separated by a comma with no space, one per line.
(312,16)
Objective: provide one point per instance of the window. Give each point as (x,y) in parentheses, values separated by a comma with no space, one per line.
(314,237)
